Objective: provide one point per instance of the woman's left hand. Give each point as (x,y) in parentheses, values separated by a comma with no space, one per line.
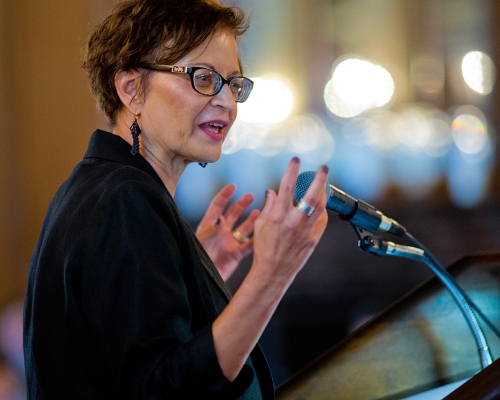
(216,233)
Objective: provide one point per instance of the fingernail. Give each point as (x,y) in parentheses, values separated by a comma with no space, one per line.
(325,169)
(217,221)
(295,159)
(266,193)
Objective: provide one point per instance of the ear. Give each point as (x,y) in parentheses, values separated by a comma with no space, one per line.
(127,84)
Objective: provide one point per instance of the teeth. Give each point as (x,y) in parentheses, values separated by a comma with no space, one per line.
(215,127)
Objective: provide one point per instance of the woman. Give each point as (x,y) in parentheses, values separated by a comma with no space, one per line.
(123,301)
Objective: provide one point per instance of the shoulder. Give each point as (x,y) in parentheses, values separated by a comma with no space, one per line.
(129,191)
(106,177)
(108,195)
(98,183)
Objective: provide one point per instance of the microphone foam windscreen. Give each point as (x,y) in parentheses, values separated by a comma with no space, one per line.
(304,180)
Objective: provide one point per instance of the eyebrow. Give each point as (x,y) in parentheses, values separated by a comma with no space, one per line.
(236,72)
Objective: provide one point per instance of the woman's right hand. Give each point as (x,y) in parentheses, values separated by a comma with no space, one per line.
(284,236)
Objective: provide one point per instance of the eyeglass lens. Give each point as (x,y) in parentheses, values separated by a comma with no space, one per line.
(210,82)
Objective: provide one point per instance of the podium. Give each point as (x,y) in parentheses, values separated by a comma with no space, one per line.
(419,343)
(482,386)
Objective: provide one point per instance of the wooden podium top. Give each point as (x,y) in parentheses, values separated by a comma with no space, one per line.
(419,343)
(483,386)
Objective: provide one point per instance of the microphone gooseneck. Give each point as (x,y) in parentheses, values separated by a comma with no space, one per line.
(367,219)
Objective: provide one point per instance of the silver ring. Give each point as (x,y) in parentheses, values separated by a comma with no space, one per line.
(305,208)
(240,237)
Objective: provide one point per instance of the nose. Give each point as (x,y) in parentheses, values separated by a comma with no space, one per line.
(225,98)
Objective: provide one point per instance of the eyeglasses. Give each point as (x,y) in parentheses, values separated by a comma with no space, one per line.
(208,81)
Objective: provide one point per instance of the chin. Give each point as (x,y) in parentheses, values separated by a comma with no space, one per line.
(211,160)
(209,155)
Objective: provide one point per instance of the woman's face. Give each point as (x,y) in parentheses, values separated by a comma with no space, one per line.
(185,126)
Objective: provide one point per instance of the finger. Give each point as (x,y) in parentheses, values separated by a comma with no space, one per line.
(247,249)
(270,201)
(287,185)
(236,209)
(319,210)
(246,227)
(218,204)
(322,201)
(203,232)
(315,195)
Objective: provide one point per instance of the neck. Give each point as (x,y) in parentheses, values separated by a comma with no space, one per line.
(169,169)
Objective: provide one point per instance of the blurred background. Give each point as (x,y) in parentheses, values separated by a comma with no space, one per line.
(398,97)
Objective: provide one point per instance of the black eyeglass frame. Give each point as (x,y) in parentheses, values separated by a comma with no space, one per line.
(177,69)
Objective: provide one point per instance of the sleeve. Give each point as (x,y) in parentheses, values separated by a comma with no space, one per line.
(137,304)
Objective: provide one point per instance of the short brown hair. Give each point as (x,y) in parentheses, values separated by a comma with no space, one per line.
(147,31)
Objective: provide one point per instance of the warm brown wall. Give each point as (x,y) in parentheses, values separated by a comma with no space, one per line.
(46,117)
(3,163)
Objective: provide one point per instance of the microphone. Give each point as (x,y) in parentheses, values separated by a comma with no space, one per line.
(357,212)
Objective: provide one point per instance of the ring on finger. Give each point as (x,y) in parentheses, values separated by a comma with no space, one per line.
(240,237)
(305,208)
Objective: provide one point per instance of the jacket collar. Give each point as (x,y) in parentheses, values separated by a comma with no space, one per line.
(107,146)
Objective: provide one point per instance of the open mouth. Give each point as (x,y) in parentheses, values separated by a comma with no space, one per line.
(214,127)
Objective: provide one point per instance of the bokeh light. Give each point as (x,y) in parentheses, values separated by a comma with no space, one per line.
(357,85)
(406,146)
(244,135)
(360,131)
(427,73)
(383,132)
(305,135)
(273,142)
(440,140)
(413,128)
(469,130)
(308,137)
(337,106)
(479,72)
(271,100)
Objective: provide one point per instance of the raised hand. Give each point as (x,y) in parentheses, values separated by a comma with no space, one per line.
(284,238)
(285,234)
(227,245)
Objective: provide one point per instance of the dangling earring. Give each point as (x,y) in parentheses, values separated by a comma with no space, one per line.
(202,164)
(136,131)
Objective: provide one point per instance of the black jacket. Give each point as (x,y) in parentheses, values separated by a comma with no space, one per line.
(121,295)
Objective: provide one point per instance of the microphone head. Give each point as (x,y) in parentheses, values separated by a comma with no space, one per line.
(304,180)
